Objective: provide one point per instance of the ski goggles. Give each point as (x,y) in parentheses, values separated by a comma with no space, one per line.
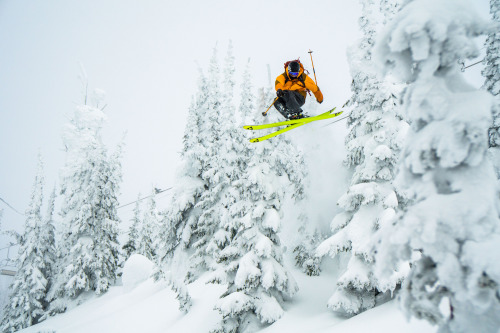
(293,73)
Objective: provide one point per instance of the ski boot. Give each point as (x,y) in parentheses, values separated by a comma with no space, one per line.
(280,106)
(297,115)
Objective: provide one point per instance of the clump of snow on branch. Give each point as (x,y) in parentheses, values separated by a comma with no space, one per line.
(451,225)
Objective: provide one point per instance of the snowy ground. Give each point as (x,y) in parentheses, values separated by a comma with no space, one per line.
(151,307)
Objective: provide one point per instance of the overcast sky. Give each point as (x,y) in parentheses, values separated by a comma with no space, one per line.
(145,55)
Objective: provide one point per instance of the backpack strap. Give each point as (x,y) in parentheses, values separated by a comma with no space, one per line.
(302,78)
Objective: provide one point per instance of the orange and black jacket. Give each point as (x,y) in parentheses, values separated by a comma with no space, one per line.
(301,83)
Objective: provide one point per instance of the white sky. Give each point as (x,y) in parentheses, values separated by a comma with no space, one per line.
(144,54)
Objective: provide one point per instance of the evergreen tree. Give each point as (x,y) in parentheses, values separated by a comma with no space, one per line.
(491,74)
(492,70)
(148,229)
(48,235)
(237,152)
(213,173)
(90,184)
(195,219)
(193,216)
(181,215)
(182,296)
(228,111)
(389,8)
(27,302)
(183,224)
(133,233)
(305,251)
(451,228)
(232,160)
(250,260)
(373,146)
(204,220)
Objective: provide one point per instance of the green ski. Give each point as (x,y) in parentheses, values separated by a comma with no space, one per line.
(281,131)
(326,115)
(294,123)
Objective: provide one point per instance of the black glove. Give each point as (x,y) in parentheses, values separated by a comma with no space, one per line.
(279,93)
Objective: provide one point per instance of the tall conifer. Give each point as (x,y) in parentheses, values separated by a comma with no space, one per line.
(130,246)
(149,226)
(491,73)
(251,260)
(373,147)
(90,186)
(27,303)
(451,227)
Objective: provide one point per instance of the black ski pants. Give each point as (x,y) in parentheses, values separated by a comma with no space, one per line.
(290,103)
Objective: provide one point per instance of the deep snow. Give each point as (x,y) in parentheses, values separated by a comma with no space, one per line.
(151,308)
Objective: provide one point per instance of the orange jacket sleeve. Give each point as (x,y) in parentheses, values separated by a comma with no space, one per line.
(319,96)
(314,89)
(280,82)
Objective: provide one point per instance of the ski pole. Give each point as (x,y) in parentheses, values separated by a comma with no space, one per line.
(265,113)
(314,71)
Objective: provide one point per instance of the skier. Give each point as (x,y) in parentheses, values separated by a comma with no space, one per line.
(291,88)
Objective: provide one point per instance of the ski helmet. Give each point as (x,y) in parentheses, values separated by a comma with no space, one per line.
(293,68)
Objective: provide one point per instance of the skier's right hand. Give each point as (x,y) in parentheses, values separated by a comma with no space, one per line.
(279,93)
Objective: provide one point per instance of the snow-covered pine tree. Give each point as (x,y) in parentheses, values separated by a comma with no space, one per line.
(147,230)
(373,147)
(247,98)
(48,235)
(90,184)
(305,251)
(191,229)
(491,73)
(214,164)
(283,155)
(232,158)
(451,228)
(236,155)
(182,295)
(190,220)
(181,214)
(133,232)
(251,263)
(265,96)
(27,302)
(228,111)
(389,8)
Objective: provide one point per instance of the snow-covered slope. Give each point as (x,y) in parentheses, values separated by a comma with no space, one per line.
(151,307)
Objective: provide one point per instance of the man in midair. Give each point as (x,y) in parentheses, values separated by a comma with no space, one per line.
(291,88)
